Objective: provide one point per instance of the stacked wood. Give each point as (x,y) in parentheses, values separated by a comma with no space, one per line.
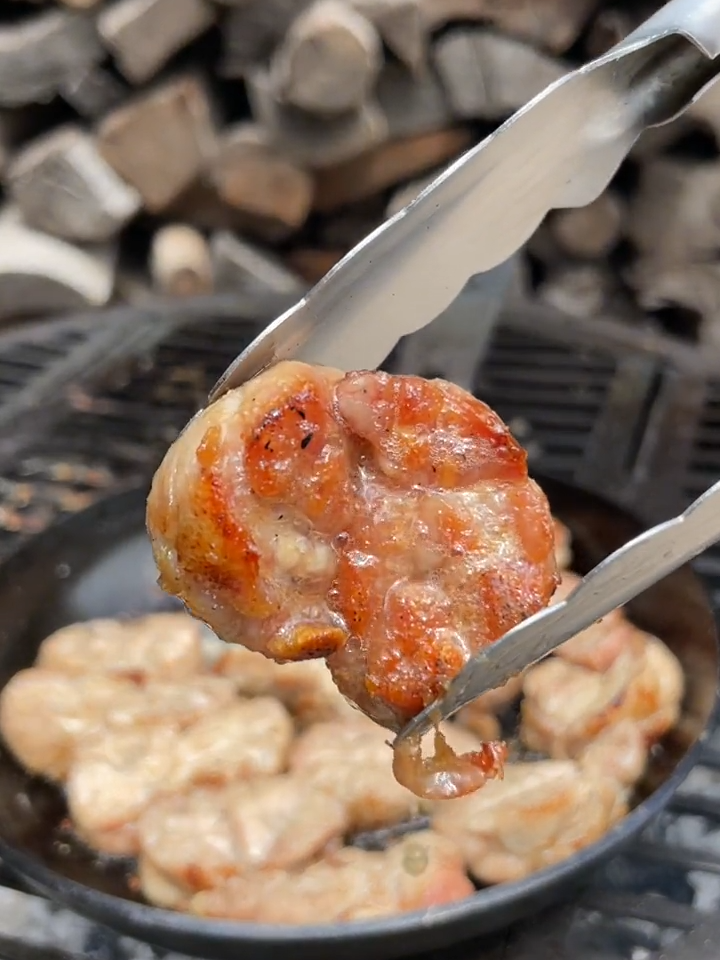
(176,147)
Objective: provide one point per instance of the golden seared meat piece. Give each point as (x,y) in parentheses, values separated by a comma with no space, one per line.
(306,688)
(422,871)
(45,715)
(113,779)
(566,706)
(161,646)
(197,841)
(384,522)
(248,738)
(539,814)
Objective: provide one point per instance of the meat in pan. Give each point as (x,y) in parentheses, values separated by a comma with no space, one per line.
(161,646)
(424,870)
(118,773)
(566,706)
(386,523)
(198,840)
(538,814)
(250,779)
(306,688)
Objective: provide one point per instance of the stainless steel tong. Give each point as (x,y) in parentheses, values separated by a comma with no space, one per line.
(559,151)
(619,578)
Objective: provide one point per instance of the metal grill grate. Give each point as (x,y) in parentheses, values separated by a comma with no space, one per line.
(550,395)
(562,392)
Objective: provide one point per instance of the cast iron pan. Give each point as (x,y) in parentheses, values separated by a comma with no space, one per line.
(98,563)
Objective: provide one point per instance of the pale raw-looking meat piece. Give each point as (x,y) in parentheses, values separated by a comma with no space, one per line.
(384,522)
(353,762)
(306,688)
(620,752)
(197,841)
(45,715)
(422,871)
(182,703)
(113,779)
(539,814)
(566,706)
(563,544)
(249,738)
(598,646)
(161,646)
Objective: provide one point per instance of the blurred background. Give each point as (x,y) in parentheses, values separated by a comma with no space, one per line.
(182,147)
(175,173)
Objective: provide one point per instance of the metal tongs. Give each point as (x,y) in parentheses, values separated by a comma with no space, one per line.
(559,151)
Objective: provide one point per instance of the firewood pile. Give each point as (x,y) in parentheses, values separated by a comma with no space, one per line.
(177,147)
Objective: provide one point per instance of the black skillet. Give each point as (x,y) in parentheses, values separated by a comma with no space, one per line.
(98,563)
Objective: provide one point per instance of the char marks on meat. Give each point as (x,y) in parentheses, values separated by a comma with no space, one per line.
(384,522)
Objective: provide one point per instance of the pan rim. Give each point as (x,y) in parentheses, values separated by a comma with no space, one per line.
(151,921)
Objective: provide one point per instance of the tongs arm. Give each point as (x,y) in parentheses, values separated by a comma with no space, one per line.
(619,578)
(561,150)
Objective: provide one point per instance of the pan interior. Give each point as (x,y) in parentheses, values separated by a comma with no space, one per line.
(98,564)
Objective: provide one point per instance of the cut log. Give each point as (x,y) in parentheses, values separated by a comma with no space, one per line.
(254,177)
(253,29)
(328,61)
(240,266)
(401,24)
(582,291)
(386,166)
(143,35)
(674,216)
(63,186)
(590,232)
(201,206)
(41,275)
(312,264)
(160,142)
(345,229)
(694,287)
(180,263)
(93,92)
(39,54)
(488,76)
(552,24)
(411,104)
(314,141)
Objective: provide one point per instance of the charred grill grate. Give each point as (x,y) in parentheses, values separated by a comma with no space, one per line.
(592,405)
